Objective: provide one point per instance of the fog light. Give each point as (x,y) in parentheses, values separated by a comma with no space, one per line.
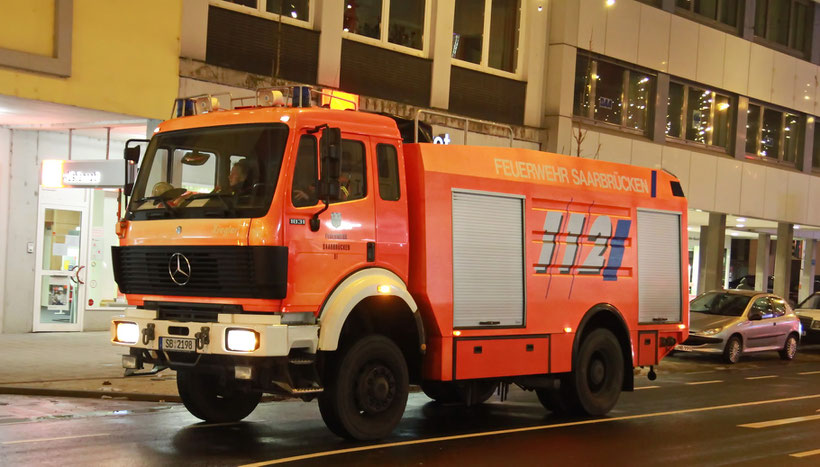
(243,372)
(129,361)
(127,333)
(241,340)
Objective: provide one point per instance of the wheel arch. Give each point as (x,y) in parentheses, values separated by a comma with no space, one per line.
(356,307)
(604,315)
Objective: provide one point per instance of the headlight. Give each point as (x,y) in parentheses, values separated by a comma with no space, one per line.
(815,324)
(241,340)
(712,332)
(128,333)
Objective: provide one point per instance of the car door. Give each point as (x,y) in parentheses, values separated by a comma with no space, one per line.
(758,333)
(783,321)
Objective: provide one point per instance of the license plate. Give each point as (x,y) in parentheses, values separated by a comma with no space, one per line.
(684,348)
(178,344)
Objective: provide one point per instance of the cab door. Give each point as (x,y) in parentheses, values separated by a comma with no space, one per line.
(345,239)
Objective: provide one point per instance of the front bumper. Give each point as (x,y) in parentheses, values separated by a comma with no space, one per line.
(696,343)
(275,339)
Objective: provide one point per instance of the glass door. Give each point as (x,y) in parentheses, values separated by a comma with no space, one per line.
(60,275)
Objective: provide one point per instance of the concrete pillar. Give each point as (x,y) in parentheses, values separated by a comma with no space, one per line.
(560,75)
(5,181)
(534,61)
(659,115)
(783,259)
(194,36)
(762,262)
(747,22)
(808,145)
(808,268)
(713,270)
(701,272)
(328,20)
(442,46)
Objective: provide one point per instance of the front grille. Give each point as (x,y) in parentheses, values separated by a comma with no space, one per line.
(215,271)
(699,340)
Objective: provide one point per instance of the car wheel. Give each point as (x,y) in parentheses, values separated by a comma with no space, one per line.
(789,348)
(365,397)
(562,400)
(599,372)
(733,349)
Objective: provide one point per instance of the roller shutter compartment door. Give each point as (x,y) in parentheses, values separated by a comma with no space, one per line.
(488,260)
(659,267)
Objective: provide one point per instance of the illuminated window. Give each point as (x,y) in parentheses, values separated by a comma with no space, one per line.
(298,10)
(699,115)
(774,135)
(485,32)
(399,22)
(612,94)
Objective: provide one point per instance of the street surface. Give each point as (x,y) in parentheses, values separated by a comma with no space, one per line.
(699,411)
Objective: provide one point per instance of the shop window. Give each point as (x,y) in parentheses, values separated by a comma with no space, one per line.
(722,11)
(485,32)
(699,115)
(298,10)
(399,22)
(785,23)
(774,135)
(613,94)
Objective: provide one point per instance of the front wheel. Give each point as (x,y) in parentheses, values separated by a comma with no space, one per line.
(789,348)
(210,400)
(365,396)
(732,351)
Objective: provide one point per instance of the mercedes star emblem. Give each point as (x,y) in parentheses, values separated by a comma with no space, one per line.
(179,268)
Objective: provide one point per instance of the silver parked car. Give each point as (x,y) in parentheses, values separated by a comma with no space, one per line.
(734,322)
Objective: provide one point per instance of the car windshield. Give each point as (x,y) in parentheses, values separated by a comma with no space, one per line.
(811,303)
(716,303)
(228,171)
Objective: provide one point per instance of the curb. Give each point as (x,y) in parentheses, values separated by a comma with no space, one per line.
(134,396)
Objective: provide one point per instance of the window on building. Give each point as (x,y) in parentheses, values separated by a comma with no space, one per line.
(295,9)
(787,23)
(773,134)
(611,93)
(399,22)
(485,32)
(699,115)
(722,11)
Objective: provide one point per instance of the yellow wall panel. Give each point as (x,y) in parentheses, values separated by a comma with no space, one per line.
(27,26)
(125,59)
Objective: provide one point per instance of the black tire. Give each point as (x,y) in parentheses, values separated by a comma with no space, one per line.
(789,349)
(468,393)
(562,400)
(599,373)
(733,350)
(207,399)
(365,397)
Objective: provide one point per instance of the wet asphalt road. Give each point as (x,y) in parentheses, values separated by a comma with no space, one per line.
(692,415)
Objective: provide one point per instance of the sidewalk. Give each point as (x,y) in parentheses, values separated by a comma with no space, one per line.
(75,364)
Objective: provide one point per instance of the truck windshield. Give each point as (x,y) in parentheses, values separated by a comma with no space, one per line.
(228,171)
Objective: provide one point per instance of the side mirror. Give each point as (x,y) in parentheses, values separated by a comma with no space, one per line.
(132,154)
(330,151)
(755,315)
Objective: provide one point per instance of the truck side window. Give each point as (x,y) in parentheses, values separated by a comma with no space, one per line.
(305,173)
(387,160)
(353,180)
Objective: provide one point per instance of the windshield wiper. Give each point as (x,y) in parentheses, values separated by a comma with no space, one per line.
(163,200)
(220,196)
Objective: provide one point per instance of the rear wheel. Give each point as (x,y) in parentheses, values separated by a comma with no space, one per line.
(364,398)
(562,400)
(207,398)
(733,349)
(599,372)
(789,348)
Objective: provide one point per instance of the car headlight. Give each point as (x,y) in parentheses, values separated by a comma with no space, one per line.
(815,324)
(241,340)
(712,332)
(127,333)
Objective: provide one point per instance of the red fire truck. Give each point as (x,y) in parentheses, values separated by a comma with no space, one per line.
(294,249)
